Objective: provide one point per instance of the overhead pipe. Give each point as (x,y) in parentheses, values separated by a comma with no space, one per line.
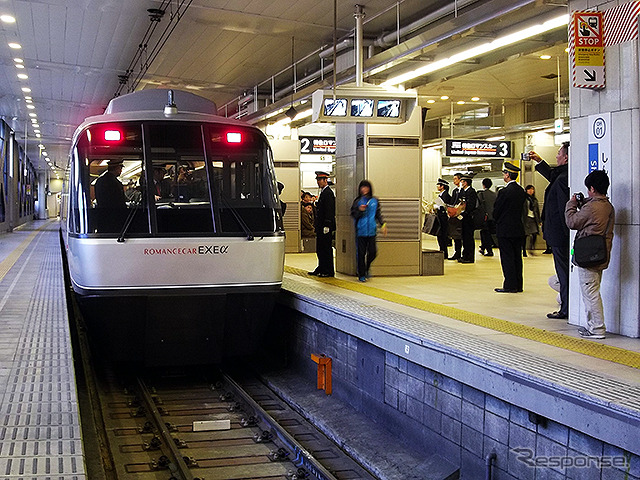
(359,15)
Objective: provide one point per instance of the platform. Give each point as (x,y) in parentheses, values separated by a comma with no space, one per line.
(40,436)
(473,371)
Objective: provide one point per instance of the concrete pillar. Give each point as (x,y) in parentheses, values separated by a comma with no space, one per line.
(42,212)
(390,156)
(621,281)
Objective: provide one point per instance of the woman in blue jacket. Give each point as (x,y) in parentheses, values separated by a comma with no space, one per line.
(366,212)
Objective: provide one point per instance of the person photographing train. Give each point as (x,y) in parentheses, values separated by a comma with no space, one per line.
(366,212)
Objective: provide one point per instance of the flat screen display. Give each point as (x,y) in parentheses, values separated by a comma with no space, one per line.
(362,107)
(389,108)
(335,108)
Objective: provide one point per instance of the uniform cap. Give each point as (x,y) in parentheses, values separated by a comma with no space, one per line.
(467,176)
(320,174)
(510,167)
(442,182)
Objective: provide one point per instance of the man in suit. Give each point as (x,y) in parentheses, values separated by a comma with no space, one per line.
(554,225)
(111,202)
(487,198)
(325,225)
(507,213)
(469,196)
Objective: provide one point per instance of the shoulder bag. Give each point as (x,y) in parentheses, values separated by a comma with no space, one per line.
(591,251)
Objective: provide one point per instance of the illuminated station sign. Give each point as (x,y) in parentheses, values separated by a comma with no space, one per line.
(366,104)
(477,148)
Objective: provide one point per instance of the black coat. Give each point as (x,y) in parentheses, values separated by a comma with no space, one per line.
(325,211)
(556,196)
(507,211)
(470,199)
(109,192)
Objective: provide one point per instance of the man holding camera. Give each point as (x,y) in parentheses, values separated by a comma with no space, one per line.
(554,226)
(592,216)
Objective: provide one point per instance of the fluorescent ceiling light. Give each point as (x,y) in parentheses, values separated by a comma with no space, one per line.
(304,114)
(431,100)
(33,114)
(38,135)
(26,89)
(444,97)
(545,57)
(8,19)
(14,45)
(481,49)
(18,60)
(28,101)
(37,131)
(495,139)
(23,76)
(31,107)
(475,99)
(19,65)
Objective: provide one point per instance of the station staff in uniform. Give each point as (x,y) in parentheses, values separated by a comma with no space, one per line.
(325,225)
(443,200)
(507,213)
(469,196)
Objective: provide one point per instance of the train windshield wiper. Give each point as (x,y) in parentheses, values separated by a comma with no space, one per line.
(238,218)
(128,221)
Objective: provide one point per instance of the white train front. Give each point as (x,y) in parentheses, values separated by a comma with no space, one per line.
(172,229)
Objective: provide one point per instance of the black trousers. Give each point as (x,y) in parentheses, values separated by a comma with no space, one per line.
(443,234)
(511,261)
(366,252)
(561,262)
(324,251)
(468,243)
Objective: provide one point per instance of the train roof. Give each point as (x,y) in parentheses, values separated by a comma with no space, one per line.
(150,105)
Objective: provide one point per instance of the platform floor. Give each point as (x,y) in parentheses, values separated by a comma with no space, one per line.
(40,436)
(465,294)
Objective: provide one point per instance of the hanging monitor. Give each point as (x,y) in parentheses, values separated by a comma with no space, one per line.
(367,104)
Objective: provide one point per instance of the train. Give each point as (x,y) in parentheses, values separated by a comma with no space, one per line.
(171,227)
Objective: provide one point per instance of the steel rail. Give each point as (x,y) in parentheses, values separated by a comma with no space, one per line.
(178,461)
(301,457)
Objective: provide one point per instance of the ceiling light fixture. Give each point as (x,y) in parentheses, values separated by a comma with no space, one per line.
(28,101)
(545,57)
(38,135)
(8,19)
(19,65)
(461,102)
(36,131)
(475,99)
(18,60)
(444,97)
(31,107)
(481,49)
(23,76)
(14,45)
(431,100)
(35,125)
(33,114)
(26,89)
(495,139)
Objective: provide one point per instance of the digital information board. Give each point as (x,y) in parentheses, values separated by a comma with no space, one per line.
(367,104)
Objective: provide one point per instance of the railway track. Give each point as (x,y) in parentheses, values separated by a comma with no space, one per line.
(198,425)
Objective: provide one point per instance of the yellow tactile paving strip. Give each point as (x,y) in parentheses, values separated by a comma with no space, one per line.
(13,257)
(579,345)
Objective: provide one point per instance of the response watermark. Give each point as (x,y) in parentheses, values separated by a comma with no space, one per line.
(527,456)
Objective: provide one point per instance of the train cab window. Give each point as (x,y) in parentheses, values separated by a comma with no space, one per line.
(104,184)
(179,179)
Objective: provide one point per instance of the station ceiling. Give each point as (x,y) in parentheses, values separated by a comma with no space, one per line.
(78,54)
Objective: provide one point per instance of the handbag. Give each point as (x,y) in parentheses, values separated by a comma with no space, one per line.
(431,224)
(591,251)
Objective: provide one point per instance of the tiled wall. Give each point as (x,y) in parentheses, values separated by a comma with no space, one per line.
(441,415)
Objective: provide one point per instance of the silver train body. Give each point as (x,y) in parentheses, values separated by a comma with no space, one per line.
(172,229)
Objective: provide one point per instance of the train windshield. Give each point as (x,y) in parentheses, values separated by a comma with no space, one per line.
(167,178)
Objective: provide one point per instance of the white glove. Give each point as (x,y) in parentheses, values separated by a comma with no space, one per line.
(325,230)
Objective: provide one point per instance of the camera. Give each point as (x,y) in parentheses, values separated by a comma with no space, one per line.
(524,156)
(580,198)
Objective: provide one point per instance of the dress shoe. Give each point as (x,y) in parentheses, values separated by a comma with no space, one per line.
(488,254)
(558,315)
(325,275)
(465,261)
(505,290)
(481,250)
(315,272)
(454,257)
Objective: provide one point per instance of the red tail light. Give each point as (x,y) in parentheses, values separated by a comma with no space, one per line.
(112,135)
(234,137)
